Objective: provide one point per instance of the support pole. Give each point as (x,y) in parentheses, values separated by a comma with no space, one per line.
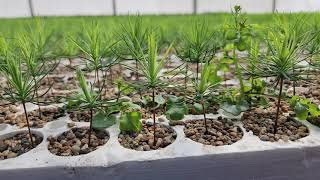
(114,7)
(31,8)
(274,4)
(195,6)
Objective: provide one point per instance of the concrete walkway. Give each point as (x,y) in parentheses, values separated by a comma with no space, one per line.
(285,164)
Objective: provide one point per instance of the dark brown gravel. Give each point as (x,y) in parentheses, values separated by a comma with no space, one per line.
(75,142)
(309,88)
(47,115)
(314,120)
(144,141)
(8,113)
(17,145)
(210,110)
(177,123)
(59,83)
(80,115)
(221,131)
(262,125)
(147,113)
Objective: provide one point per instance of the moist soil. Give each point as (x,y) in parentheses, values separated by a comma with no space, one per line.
(221,131)
(76,142)
(144,141)
(17,145)
(261,123)
(80,115)
(35,121)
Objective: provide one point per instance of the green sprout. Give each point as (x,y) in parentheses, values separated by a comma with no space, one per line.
(295,25)
(133,39)
(67,49)
(33,50)
(205,85)
(238,33)
(21,86)
(94,48)
(197,46)
(150,69)
(304,107)
(282,60)
(313,47)
(91,100)
(88,98)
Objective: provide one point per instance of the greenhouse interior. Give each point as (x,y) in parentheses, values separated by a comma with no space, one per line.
(160,89)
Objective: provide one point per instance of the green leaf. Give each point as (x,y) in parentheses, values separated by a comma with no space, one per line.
(304,107)
(231,108)
(72,103)
(305,102)
(247,88)
(145,100)
(227,61)
(102,120)
(129,106)
(224,67)
(293,101)
(229,47)
(259,86)
(264,102)
(176,108)
(130,122)
(159,100)
(198,107)
(314,110)
(241,45)
(235,109)
(231,34)
(243,105)
(175,113)
(301,111)
(123,87)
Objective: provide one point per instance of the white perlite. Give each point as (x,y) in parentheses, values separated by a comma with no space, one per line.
(113,153)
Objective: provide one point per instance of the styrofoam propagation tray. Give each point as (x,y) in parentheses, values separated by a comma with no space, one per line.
(113,153)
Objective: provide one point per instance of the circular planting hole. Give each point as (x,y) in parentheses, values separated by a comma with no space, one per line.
(76,142)
(262,125)
(314,120)
(47,115)
(144,141)
(15,144)
(8,113)
(220,132)
(211,109)
(79,115)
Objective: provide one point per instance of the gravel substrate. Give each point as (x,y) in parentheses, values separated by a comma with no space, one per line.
(315,121)
(262,125)
(75,142)
(47,115)
(79,115)
(147,113)
(57,96)
(221,131)
(59,83)
(144,141)
(18,144)
(8,113)
(313,91)
(209,110)
(308,88)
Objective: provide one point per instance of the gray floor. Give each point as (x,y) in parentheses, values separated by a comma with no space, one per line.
(286,164)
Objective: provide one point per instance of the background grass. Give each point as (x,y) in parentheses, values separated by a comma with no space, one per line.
(170,23)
